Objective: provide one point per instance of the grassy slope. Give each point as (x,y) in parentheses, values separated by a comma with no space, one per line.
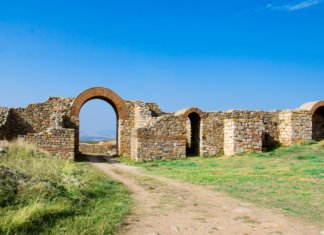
(43,195)
(290,178)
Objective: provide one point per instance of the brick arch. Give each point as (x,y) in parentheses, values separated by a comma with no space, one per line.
(193,118)
(104,94)
(316,109)
(312,106)
(186,112)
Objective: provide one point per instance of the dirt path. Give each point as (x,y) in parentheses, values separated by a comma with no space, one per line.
(165,206)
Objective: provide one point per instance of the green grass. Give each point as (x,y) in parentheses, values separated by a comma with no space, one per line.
(40,194)
(90,142)
(289,178)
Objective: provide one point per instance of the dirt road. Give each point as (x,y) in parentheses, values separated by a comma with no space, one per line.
(165,206)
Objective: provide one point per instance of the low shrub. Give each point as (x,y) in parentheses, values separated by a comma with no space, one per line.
(259,167)
(181,163)
(304,157)
(315,171)
(263,156)
(317,160)
(211,164)
(295,147)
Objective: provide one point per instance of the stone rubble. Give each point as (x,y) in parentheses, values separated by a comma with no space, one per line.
(105,147)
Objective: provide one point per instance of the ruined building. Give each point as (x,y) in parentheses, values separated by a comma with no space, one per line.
(146,133)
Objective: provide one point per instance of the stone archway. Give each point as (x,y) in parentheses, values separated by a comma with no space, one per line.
(185,112)
(105,94)
(316,109)
(193,127)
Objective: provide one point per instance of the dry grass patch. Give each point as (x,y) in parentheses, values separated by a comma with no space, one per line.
(41,194)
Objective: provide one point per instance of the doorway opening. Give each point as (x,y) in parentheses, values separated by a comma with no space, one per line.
(318,124)
(193,134)
(111,98)
(98,128)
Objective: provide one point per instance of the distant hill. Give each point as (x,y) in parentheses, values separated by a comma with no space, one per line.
(98,136)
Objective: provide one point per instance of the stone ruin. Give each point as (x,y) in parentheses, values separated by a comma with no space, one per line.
(105,147)
(146,133)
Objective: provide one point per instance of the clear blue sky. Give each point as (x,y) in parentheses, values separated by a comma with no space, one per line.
(214,55)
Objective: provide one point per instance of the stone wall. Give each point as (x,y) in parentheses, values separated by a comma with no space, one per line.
(295,125)
(147,133)
(59,142)
(43,124)
(36,117)
(212,134)
(164,139)
(242,135)
(5,128)
(140,113)
(212,129)
(98,148)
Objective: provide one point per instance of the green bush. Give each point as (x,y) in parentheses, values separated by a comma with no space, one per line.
(181,163)
(259,167)
(304,157)
(211,164)
(263,156)
(315,171)
(295,147)
(8,186)
(317,160)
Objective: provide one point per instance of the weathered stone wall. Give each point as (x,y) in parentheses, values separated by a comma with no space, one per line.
(164,139)
(105,148)
(5,128)
(59,142)
(212,134)
(146,133)
(43,125)
(140,114)
(212,125)
(36,117)
(295,125)
(241,135)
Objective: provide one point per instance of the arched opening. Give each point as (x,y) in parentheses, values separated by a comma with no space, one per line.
(98,128)
(318,124)
(193,134)
(316,109)
(110,97)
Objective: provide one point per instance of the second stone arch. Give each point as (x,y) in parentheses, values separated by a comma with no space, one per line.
(193,118)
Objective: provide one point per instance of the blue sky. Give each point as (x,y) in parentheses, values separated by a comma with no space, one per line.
(214,55)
